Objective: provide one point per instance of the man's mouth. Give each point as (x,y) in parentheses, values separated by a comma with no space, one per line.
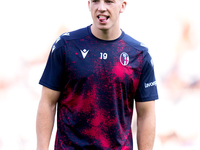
(103,18)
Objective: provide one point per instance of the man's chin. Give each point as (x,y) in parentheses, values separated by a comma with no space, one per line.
(103,27)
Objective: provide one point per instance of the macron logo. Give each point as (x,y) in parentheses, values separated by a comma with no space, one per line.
(84,53)
(147,85)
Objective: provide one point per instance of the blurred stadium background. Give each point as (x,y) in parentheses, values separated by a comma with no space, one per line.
(170,28)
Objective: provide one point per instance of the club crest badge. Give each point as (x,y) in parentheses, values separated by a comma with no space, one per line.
(124,58)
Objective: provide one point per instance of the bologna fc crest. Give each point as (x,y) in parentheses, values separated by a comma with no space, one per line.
(124,58)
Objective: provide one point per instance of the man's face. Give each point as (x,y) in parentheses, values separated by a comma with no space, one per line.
(105,13)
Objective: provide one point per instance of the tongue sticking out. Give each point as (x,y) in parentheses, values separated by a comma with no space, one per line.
(102,18)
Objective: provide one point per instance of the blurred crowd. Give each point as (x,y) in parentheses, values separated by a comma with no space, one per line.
(177,114)
(177,72)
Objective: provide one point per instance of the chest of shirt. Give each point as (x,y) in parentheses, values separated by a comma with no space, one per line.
(100,59)
(114,60)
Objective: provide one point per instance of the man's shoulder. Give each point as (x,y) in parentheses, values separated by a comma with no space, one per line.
(134,43)
(67,36)
(76,34)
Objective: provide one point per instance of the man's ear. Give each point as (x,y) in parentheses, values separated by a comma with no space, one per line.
(124,3)
(89,5)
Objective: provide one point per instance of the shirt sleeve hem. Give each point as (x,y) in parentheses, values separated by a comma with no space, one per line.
(49,86)
(152,98)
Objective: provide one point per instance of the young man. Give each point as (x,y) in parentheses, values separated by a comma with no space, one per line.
(94,74)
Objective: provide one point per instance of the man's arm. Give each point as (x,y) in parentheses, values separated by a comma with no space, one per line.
(45,117)
(146,121)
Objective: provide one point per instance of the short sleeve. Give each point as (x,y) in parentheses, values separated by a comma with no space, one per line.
(52,76)
(147,88)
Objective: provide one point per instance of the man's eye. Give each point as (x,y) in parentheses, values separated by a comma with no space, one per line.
(109,1)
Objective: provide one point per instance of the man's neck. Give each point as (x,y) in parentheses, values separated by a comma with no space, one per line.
(106,34)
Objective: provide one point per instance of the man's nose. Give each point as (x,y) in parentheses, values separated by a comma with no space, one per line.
(102,6)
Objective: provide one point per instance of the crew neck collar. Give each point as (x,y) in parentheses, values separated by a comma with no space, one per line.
(119,38)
